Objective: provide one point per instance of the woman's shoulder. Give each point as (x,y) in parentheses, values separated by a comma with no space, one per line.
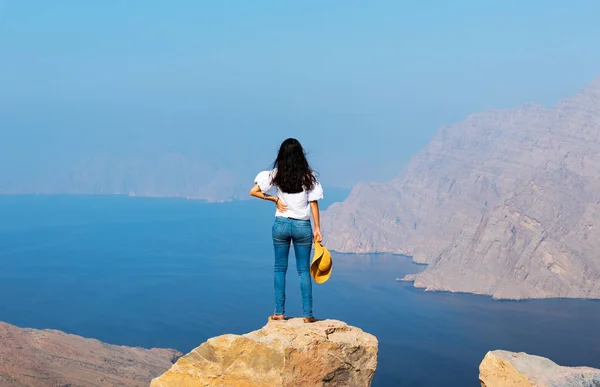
(270,172)
(264,179)
(266,176)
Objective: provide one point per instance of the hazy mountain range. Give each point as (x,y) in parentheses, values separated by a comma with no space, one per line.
(150,175)
(505,203)
(158,175)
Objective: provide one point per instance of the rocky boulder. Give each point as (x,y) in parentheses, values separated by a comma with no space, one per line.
(282,353)
(509,369)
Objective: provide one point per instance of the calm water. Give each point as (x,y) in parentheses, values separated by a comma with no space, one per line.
(171,273)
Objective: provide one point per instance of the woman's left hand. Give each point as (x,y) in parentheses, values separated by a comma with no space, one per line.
(281,206)
(317,235)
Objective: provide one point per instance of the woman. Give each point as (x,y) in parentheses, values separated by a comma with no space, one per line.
(297,194)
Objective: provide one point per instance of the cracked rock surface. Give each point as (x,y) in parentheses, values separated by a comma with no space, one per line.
(282,353)
(510,369)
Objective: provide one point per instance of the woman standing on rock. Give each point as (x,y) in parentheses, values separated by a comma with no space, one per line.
(297,193)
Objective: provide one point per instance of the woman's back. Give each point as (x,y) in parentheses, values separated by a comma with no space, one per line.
(298,204)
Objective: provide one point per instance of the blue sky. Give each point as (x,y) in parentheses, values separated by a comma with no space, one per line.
(364,85)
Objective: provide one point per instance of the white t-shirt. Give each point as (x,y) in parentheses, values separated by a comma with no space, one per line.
(298,204)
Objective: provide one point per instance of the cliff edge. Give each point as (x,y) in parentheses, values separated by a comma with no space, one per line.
(282,353)
(509,369)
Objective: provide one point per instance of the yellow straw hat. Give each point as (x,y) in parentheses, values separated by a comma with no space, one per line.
(320,268)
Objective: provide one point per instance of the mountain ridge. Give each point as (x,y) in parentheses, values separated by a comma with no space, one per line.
(480,205)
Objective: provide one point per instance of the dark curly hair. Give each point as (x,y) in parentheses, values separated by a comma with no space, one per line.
(293,172)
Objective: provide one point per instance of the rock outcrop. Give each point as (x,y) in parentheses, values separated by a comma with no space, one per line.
(509,369)
(283,353)
(49,358)
(505,203)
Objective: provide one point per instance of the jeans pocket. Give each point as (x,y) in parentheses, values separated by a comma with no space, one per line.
(279,230)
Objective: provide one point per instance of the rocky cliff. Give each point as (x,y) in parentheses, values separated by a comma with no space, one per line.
(283,353)
(48,358)
(508,369)
(505,203)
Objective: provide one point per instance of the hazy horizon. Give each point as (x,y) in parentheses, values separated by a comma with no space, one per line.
(214,88)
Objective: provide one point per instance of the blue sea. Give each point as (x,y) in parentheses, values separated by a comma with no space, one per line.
(172,273)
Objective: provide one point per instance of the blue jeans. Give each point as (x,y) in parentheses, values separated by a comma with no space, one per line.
(299,232)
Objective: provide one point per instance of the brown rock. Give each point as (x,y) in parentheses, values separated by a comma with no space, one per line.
(282,353)
(509,369)
(49,358)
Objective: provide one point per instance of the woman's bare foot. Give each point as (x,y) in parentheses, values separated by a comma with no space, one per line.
(309,319)
(277,317)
